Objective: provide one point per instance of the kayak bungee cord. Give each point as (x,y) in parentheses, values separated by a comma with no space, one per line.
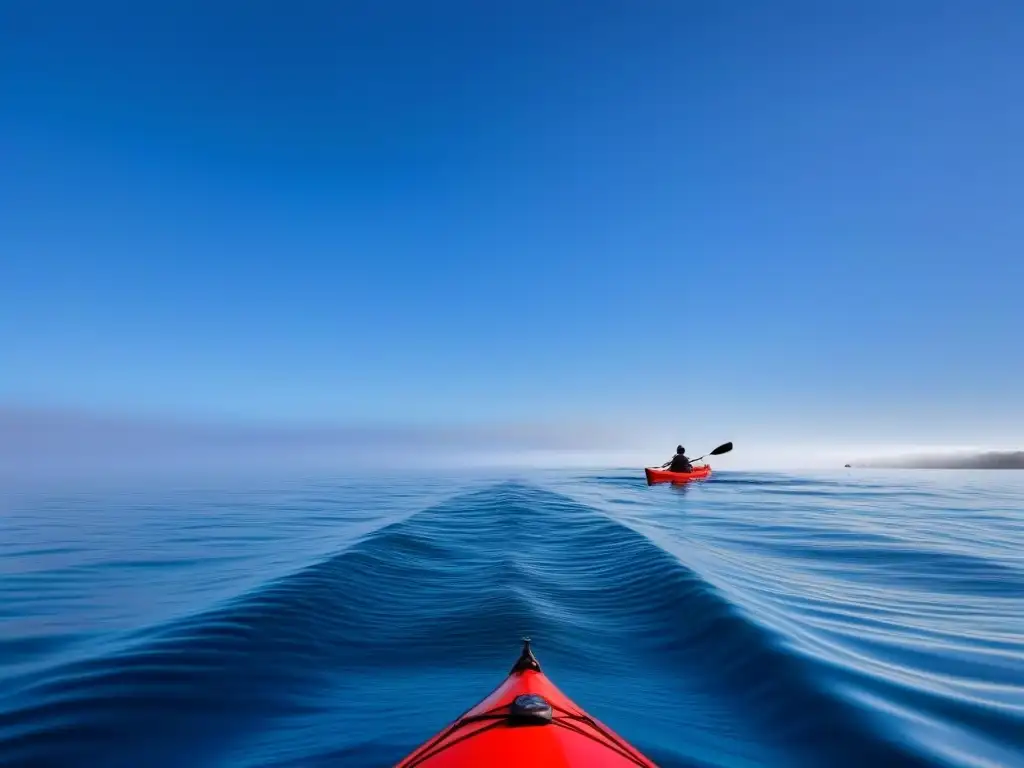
(499,718)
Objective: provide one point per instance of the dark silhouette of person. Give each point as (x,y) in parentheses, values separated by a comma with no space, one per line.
(679,462)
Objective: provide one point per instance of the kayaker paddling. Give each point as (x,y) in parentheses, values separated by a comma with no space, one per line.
(680,469)
(679,462)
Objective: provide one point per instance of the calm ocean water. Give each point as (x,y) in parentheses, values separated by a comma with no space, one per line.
(754,620)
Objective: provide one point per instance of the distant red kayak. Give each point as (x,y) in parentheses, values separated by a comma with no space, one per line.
(659,475)
(526,721)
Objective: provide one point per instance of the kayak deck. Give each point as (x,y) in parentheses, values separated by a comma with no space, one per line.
(526,720)
(659,475)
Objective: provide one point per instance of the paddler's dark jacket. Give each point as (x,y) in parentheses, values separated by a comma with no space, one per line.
(680,463)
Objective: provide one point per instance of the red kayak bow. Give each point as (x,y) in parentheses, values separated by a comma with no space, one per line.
(526,721)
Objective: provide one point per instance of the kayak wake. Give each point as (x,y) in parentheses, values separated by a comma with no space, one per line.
(399,632)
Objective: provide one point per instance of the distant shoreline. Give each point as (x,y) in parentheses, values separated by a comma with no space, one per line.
(988,460)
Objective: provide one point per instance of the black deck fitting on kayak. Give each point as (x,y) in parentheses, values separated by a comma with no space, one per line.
(526,659)
(530,709)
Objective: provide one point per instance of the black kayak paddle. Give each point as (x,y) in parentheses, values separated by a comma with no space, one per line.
(724,448)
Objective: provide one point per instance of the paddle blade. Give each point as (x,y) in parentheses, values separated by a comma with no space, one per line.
(722,449)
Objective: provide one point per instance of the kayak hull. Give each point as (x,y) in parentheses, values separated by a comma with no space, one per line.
(526,721)
(659,475)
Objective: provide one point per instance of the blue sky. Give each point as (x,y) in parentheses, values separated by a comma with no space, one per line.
(790,221)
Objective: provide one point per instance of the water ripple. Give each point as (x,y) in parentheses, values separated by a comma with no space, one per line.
(751,620)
